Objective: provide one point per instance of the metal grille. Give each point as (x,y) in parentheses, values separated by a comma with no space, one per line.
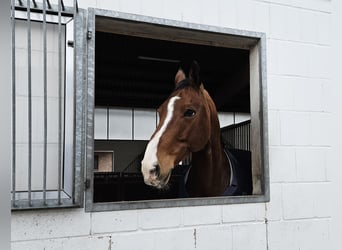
(45,172)
(238,135)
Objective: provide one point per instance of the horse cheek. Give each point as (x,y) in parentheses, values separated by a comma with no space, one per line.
(203,134)
(199,139)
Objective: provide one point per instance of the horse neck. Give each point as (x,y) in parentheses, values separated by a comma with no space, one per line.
(210,172)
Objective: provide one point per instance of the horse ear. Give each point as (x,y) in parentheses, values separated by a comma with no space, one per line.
(194,74)
(180,76)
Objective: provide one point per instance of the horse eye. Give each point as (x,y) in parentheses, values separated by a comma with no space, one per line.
(189,113)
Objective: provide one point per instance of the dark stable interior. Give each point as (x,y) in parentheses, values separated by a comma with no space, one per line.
(136,72)
(139,72)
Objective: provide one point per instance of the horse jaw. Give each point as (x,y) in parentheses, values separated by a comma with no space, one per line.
(150,160)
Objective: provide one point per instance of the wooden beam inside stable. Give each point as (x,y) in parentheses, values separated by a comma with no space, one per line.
(148,30)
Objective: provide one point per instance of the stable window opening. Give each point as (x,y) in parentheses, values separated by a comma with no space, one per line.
(132,71)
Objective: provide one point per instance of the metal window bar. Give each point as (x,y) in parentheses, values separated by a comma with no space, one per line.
(59,101)
(32,197)
(45,101)
(29,77)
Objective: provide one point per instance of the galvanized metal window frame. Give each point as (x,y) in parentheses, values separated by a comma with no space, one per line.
(59,11)
(255,42)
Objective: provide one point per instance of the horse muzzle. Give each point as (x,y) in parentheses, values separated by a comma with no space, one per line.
(153,177)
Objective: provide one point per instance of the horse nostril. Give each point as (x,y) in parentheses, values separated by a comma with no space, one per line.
(156,170)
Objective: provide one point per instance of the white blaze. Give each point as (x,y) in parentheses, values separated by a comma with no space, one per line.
(150,158)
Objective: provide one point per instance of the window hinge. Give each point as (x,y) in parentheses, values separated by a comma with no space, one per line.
(89,34)
(87,183)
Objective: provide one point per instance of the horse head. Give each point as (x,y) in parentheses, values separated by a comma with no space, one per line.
(184,127)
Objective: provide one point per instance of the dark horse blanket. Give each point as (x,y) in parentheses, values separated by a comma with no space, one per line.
(241,181)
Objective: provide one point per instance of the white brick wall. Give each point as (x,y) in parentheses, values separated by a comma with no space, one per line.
(299,234)
(299,39)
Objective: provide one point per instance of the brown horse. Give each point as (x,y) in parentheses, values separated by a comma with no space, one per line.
(188,124)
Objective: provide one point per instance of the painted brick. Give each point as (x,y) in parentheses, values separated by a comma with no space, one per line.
(306,200)
(133,241)
(21,71)
(31,225)
(328,96)
(52,123)
(214,238)
(308,32)
(175,239)
(194,215)
(304,235)
(318,5)
(21,120)
(272,56)
(274,128)
(78,243)
(305,100)
(191,11)
(160,218)
(37,120)
(311,164)
(262,17)
(324,30)
(323,200)
(274,208)
(282,164)
(321,128)
(37,166)
(227,13)
(251,236)
(295,24)
(172,10)
(331,158)
(37,72)
(209,12)
(132,6)
(295,128)
(319,61)
(108,5)
(117,221)
(243,213)
(152,8)
(293,58)
(170,239)
(281,92)
(252,16)
(285,22)
(299,59)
